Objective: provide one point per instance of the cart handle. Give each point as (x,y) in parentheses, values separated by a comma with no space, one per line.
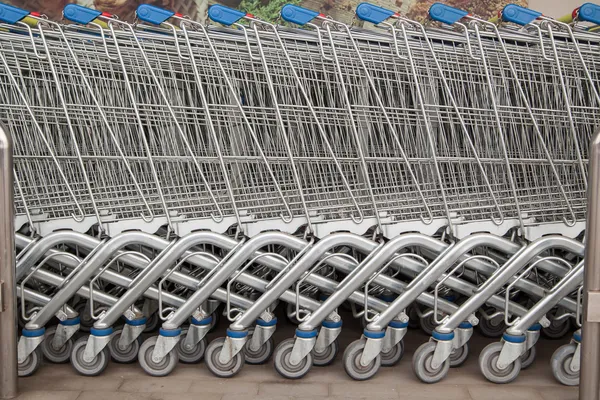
(299,15)
(446,14)
(519,15)
(154,15)
(373,14)
(11,14)
(225,15)
(588,12)
(81,15)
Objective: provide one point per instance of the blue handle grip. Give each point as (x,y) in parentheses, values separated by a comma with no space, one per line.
(590,13)
(153,14)
(81,15)
(225,15)
(11,15)
(446,14)
(372,13)
(519,15)
(298,15)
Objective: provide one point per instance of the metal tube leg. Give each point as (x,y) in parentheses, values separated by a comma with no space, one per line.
(8,293)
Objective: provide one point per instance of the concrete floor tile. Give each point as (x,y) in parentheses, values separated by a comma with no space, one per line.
(224,386)
(363,389)
(332,398)
(49,395)
(125,371)
(161,385)
(256,397)
(102,395)
(501,392)
(293,389)
(433,392)
(561,393)
(74,382)
(34,383)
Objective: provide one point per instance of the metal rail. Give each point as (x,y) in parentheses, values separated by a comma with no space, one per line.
(589,386)
(8,295)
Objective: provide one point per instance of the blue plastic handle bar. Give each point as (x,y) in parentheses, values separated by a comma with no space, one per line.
(225,15)
(81,15)
(298,15)
(590,13)
(153,14)
(372,13)
(446,14)
(519,15)
(11,15)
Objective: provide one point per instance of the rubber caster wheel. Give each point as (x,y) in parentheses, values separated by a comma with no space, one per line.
(85,318)
(290,313)
(31,364)
(421,364)
(393,356)
(281,361)
(557,329)
(528,358)
(326,357)
(123,354)
(190,355)
(561,365)
(492,328)
(151,323)
(91,368)
(211,358)
(52,354)
(413,317)
(459,356)
(260,356)
(487,364)
(352,364)
(427,324)
(162,368)
(216,317)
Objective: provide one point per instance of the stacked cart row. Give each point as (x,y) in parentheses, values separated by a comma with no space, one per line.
(169,172)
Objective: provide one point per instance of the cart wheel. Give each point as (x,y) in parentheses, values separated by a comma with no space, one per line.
(427,324)
(190,355)
(260,356)
(57,356)
(561,365)
(281,361)
(123,355)
(216,317)
(421,364)
(393,356)
(85,318)
(557,329)
(326,357)
(31,364)
(487,364)
(151,323)
(528,358)
(162,368)
(493,328)
(413,317)
(211,358)
(290,310)
(459,356)
(352,364)
(93,368)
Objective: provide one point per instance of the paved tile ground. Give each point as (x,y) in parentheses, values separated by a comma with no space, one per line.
(195,382)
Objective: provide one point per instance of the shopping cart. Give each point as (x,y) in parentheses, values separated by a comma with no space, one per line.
(165,168)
